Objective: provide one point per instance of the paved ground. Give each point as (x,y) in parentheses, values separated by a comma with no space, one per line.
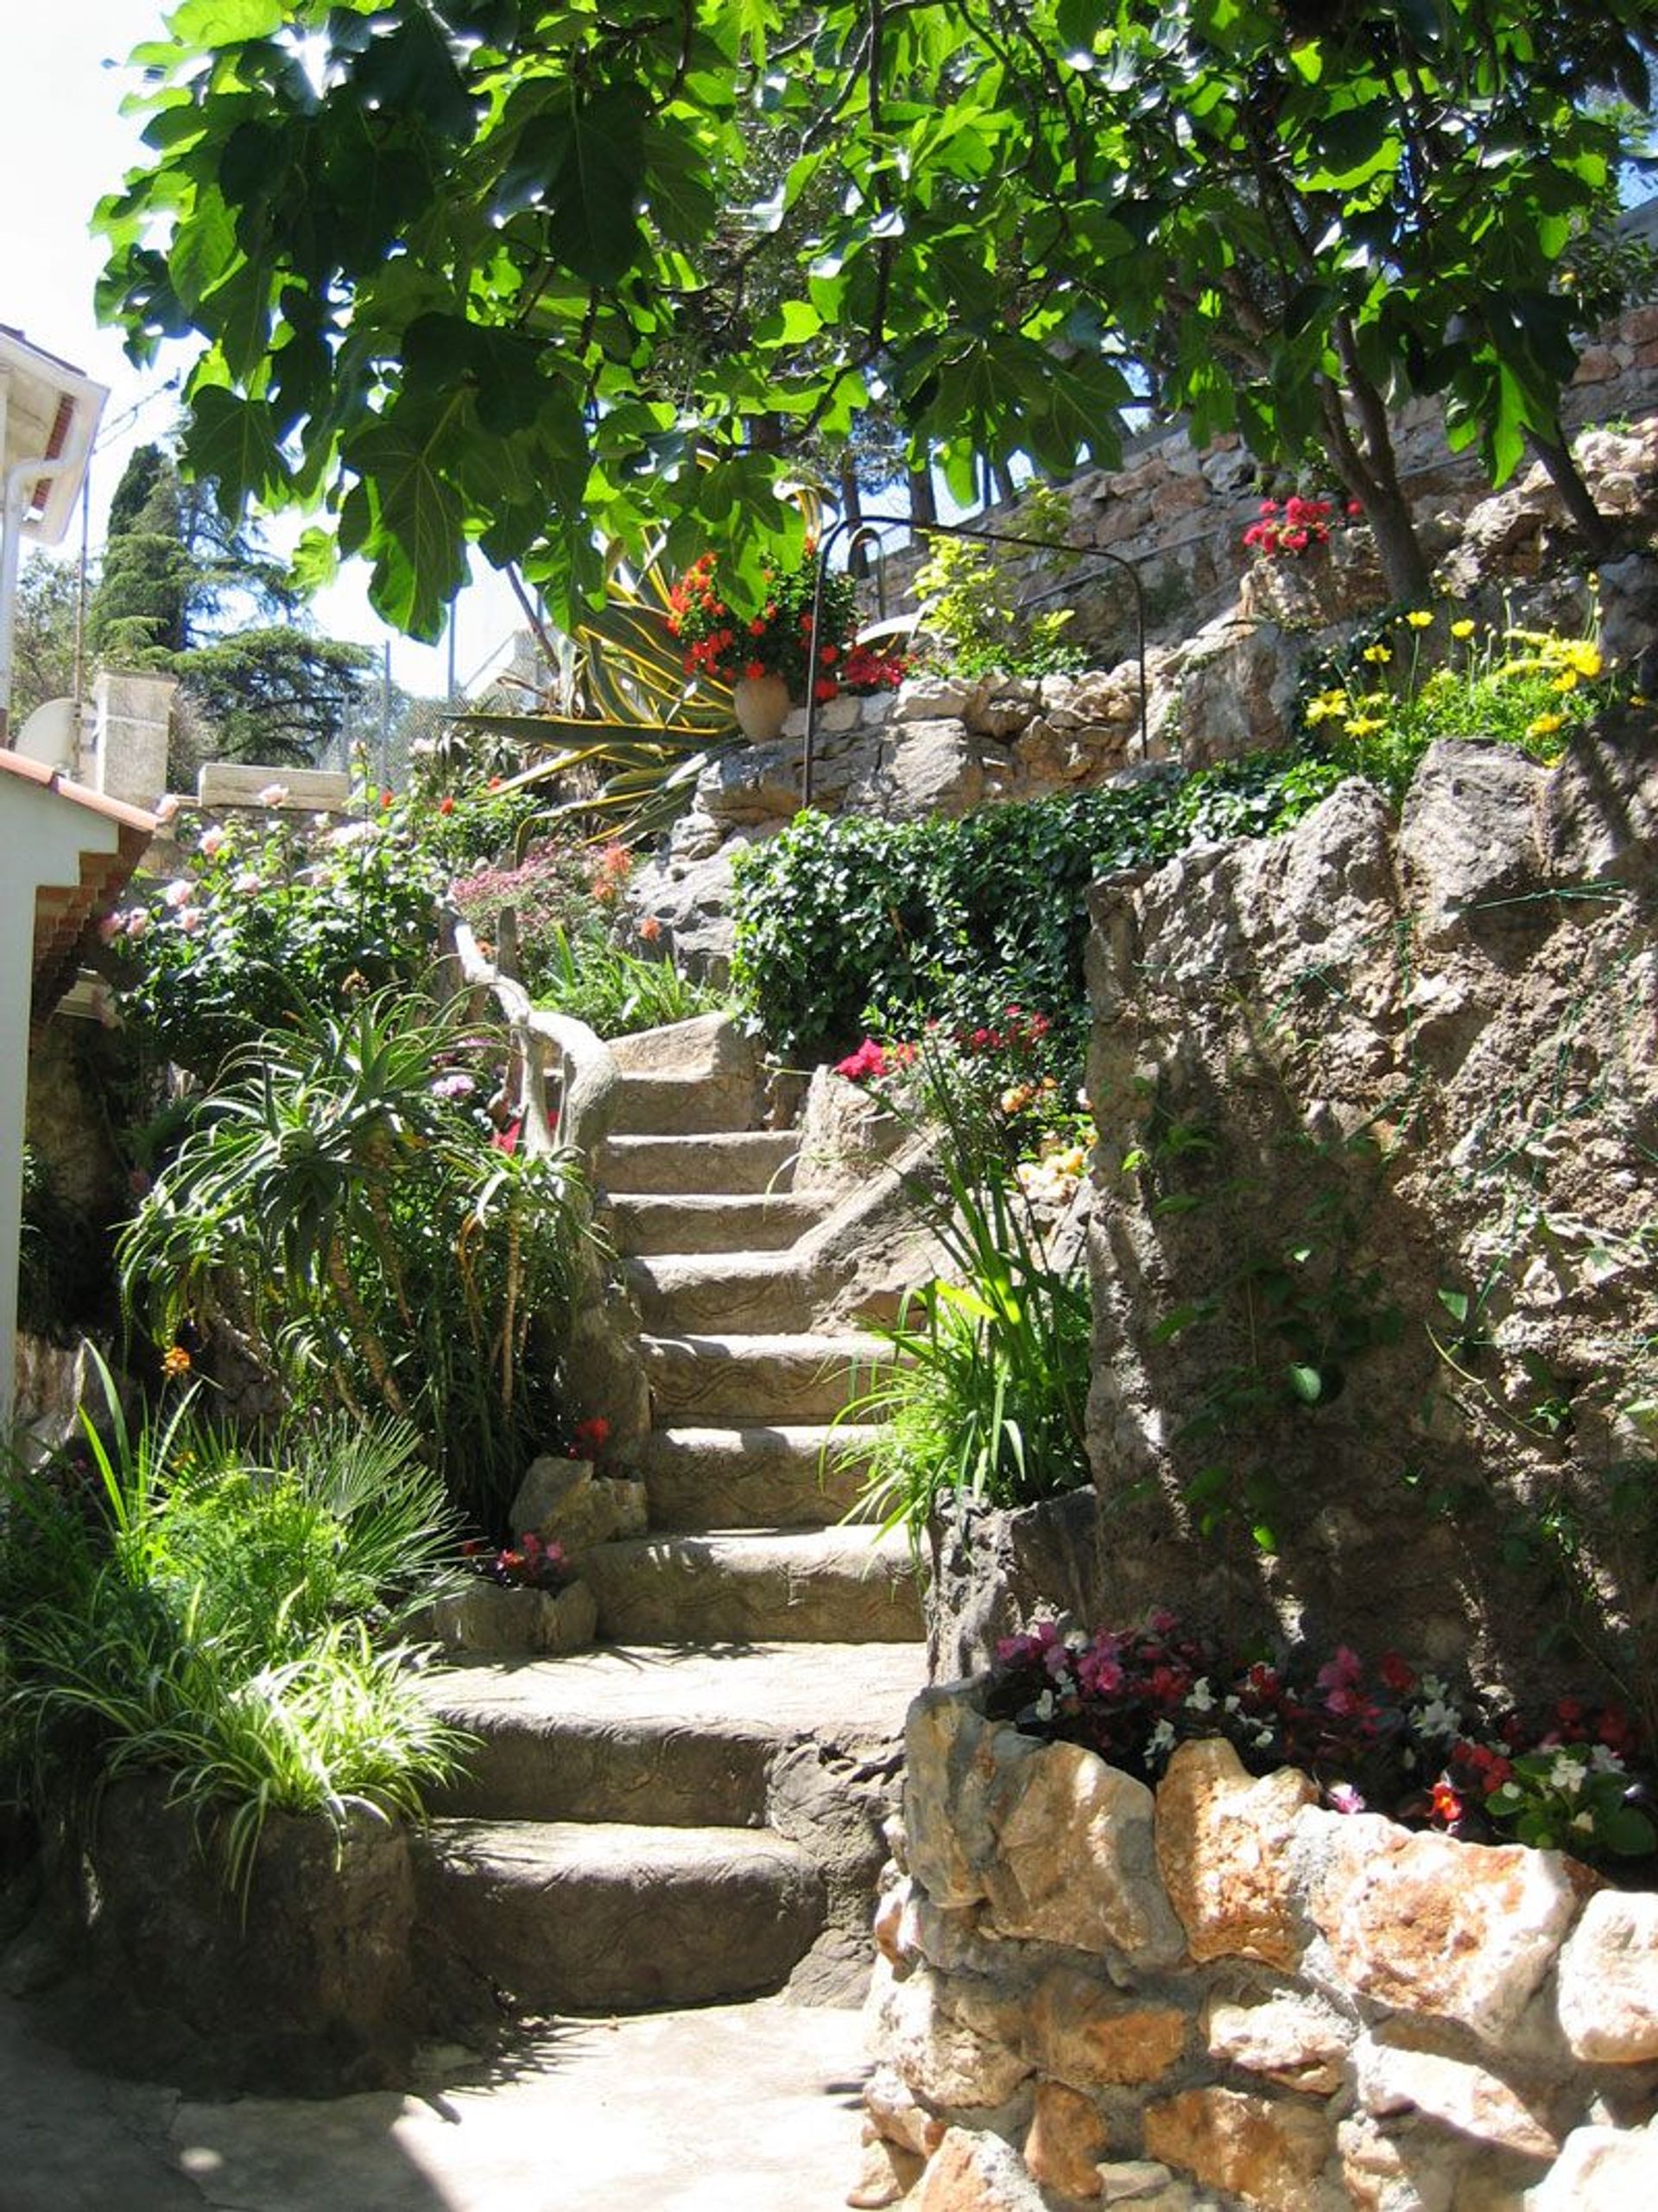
(738,2109)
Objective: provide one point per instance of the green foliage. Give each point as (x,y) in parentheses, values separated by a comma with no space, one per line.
(986,1395)
(267,922)
(954,920)
(196,1610)
(592,978)
(342,1209)
(970,599)
(43,641)
(469,274)
(1404,683)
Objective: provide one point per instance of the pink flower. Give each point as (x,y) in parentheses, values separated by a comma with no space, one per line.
(138,922)
(864,1065)
(1344,1798)
(189,919)
(274,794)
(213,840)
(178,892)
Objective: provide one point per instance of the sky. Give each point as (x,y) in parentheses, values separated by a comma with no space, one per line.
(64,144)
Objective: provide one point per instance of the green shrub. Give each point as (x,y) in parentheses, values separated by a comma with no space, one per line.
(344,1208)
(840,921)
(593,978)
(987,1397)
(191,1609)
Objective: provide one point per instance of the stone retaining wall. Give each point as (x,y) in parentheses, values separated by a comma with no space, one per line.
(1220,1993)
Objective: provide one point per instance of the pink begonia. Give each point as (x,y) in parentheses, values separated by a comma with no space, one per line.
(178,892)
(247,882)
(165,808)
(214,841)
(273,795)
(189,919)
(138,922)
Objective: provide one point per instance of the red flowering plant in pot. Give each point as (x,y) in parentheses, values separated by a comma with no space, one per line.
(1389,1739)
(733,642)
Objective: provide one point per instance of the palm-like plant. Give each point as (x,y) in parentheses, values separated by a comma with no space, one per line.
(362,1234)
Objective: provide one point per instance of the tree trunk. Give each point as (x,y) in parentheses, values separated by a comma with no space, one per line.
(1371,477)
(923,500)
(851,511)
(1597,531)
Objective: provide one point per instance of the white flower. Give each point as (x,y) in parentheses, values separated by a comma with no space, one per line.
(1584,1823)
(1436,1718)
(1200,1697)
(1162,1738)
(1233,1704)
(1567,1774)
(179,892)
(274,794)
(1602,1759)
(1430,1687)
(353,832)
(1044,1706)
(165,808)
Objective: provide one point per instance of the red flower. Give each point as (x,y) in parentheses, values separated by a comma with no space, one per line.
(754,670)
(1398,1676)
(445,805)
(1444,1805)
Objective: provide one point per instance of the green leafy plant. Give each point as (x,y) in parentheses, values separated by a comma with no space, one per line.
(592,978)
(985,1395)
(177,1603)
(912,921)
(267,921)
(972,600)
(345,1209)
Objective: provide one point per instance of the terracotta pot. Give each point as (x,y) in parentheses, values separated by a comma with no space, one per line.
(761,704)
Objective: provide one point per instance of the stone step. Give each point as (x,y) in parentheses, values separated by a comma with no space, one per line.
(665,1735)
(578,1916)
(820,1586)
(746,1475)
(745,1162)
(788,1378)
(704,1294)
(665,1105)
(648,1222)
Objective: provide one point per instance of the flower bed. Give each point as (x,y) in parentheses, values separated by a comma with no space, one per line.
(1221,1990)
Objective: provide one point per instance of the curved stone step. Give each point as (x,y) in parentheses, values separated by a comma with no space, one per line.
(648,1222)
(665,1735)
(786,1378)
(709,1293)
(820,1586)
(748,1474)
(605,1918)
(746,1162)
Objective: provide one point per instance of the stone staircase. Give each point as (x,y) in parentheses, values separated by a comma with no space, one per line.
(691,1810)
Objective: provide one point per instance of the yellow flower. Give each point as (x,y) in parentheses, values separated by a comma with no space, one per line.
(1637,699)
(1377,653)
(175,1361)
(1361,726)
(1418,619)
(1463,629)
(1545,725)
(1584,659)
(1017,1099)
(1327,704)
(1566,679)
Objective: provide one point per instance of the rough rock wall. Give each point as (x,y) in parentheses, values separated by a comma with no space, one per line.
(1221,1993)
(1374,1263)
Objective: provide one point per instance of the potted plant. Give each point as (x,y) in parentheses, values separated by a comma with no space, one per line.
(762,649)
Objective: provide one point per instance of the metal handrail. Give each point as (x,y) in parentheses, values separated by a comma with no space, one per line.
(871,525)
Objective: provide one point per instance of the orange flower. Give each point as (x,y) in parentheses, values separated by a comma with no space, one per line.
(649,929)
(175,1361)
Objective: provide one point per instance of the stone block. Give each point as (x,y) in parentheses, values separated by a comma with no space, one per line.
(1430,1926)
(937,698)
(1067,2141)
(1468,840)
(1397,2169)
(1094,2037)
(894,2115)
(1222,1844)
(928,768)
(1608,1987)
(1600,2170)
(948,1768)
(1298,2041)
(493,1619)
(1135,2181)
(977,2173)
(1399,2070)
(302,790)
(1267,2151)
(1073,1861)
(563,1502)
(939,2056)
(886,2174)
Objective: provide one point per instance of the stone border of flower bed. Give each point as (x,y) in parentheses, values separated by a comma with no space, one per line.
(1089,1992)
